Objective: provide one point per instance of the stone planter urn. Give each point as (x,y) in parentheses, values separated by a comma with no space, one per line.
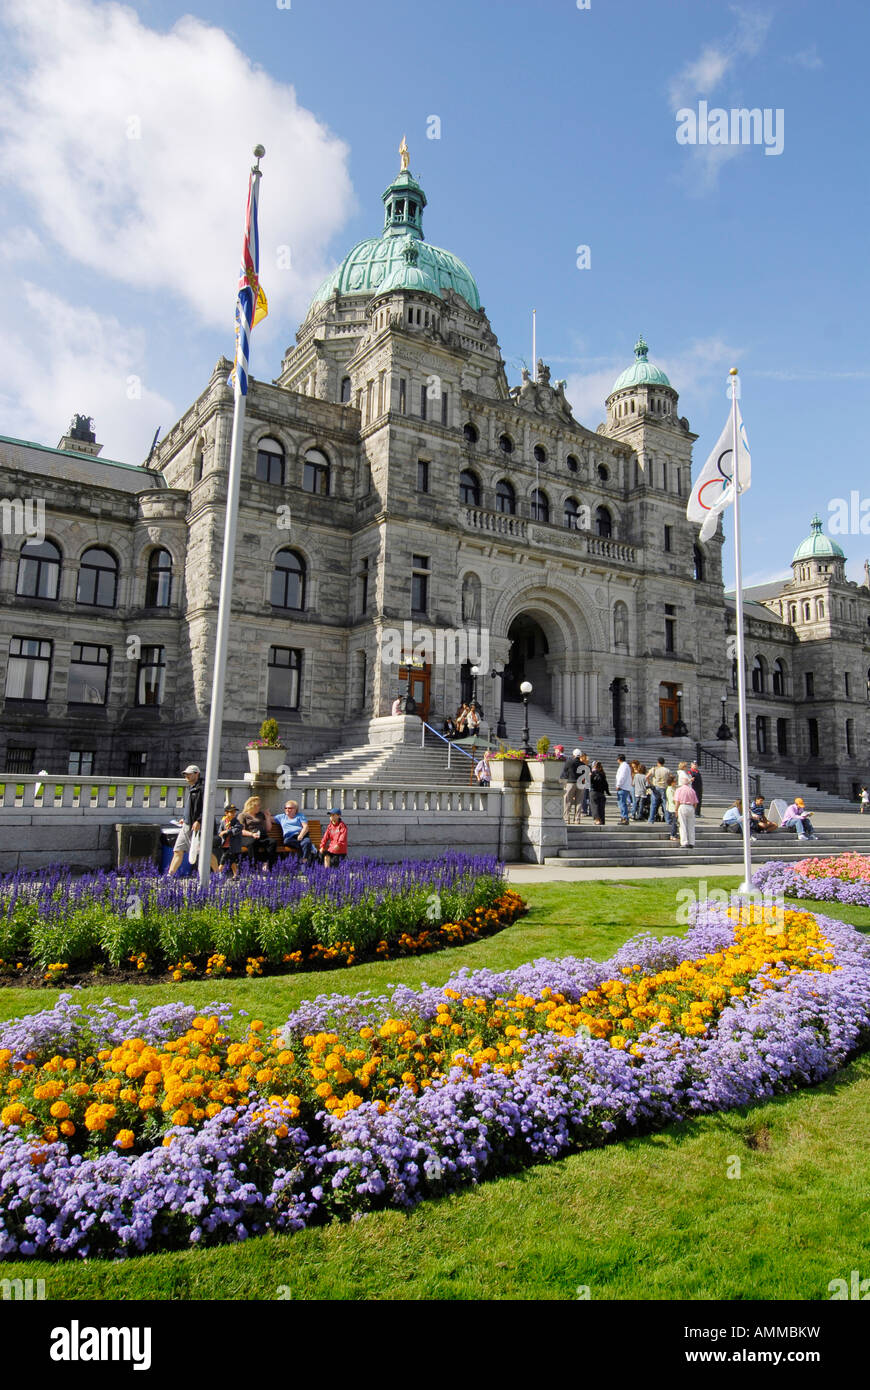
(505,770)
(548,772)
(264,762)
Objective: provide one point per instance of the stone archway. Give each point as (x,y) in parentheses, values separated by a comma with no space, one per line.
(555,638)
(530,647)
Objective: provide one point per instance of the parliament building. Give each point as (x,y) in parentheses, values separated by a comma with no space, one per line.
(394,482)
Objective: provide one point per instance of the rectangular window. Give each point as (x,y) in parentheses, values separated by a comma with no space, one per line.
(669,532)
(136,764)
(422,475)
(403,395)
(285,673)
(444,407)
(813,735)
(850,737)
(150,676)
(846,683)
(81,760)
(363,584)
(761,733)
(670,634)
(370,395)
(782,735)
(423,402)
(88,674)
(20,759)
(664,477)
(809,684)
(27,674)
(420,583)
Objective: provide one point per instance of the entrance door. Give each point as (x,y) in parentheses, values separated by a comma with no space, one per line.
(668,708)
(418,678)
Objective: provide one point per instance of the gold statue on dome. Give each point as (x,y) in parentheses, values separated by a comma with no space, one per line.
(404,155)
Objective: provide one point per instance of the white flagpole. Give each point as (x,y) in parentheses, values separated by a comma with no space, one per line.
(216,716)
(534,345)
(746,885)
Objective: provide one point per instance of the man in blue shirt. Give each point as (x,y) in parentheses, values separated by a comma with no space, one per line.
(294,828)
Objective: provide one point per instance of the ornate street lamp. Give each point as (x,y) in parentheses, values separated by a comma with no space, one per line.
(526,689)
(500,728)
(723,732)
(475,672)
(617,688)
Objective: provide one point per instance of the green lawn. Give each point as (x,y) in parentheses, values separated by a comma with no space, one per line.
(648,1218)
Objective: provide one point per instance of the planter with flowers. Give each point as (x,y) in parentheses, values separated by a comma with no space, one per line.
(545,767)
(506,766)
(268,752)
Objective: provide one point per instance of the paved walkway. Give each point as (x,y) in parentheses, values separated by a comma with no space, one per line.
(551,873)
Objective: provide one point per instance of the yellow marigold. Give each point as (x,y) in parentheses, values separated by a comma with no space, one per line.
(60,1110)
(124,1139)
(67,1128)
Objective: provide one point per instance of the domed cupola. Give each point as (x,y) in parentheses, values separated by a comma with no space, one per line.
(818,556)
(400,258)
(643,389)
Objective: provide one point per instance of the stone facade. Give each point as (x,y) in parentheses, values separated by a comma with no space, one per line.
(402,503)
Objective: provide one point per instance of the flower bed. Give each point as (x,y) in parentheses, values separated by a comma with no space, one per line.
(122,1132)
(140,922)
(842,878)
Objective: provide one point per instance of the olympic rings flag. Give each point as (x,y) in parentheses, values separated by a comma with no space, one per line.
(714,490)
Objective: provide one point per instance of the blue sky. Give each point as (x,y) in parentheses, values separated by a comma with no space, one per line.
(125,134)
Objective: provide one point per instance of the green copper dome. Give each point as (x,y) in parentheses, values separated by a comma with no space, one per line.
(641,372)
(400,258)
(817,546)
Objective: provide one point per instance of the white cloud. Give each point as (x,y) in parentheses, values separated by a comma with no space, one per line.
(134,148)
(807,58)
(76,360)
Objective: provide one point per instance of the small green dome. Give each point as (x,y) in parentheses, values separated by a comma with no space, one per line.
(817,546)
(641,372)
(383,263)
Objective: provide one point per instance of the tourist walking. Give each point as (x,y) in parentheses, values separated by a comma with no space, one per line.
(686,800)
(623,789)
(191,820)
(571,802)
(641,791)
(657,780)
(599,790)
(482,770)
(583,786)
(671,805)
(864,799)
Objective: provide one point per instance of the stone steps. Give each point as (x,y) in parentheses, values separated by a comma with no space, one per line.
(642,845)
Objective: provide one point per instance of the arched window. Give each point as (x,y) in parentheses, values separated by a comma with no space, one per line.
(198,464)
(345,390)
(469,488)
(820,607)
(288,580)
(38,570)
(572,513)
(506,444)
(540,505)
(758,675)
(697,562)
(540,453)
(572,463)
(806,612)
(603,472)
(505,497)
(98,578)
(778,678)
(603,522)
(158,589)
(470,433)
(270,462)
(471,599)
(315,473)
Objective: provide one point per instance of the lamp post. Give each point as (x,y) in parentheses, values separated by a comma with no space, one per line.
(723,732)
(526,689)
(475,672)
(500,729)
(617,688)
(680,729)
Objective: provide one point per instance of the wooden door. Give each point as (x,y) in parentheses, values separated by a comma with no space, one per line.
(418,678)
(668,711)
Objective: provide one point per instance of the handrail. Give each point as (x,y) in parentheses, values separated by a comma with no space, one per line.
(449,742)
(732,771)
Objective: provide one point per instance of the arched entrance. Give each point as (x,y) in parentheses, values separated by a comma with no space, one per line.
(527,660)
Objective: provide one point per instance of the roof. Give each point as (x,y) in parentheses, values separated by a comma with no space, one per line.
(817,545)
(641,372)
(77,468)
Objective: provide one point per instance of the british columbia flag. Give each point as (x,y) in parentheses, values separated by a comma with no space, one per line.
(251,303)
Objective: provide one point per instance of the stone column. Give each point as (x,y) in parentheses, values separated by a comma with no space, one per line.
(544,831)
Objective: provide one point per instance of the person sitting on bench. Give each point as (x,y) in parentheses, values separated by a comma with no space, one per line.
(294,828)
(333,843)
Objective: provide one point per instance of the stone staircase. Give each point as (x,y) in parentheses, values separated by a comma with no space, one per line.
(403,764)
(642,845)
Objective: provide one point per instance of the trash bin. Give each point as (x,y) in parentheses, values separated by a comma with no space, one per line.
(167,845)
(136,842)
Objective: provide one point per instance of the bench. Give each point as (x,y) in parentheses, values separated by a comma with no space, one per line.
(315,833)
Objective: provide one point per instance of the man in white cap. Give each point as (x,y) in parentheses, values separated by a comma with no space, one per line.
(569,776)
(191,820)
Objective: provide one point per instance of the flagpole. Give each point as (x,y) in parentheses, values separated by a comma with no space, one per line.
(216,715)
(746,885)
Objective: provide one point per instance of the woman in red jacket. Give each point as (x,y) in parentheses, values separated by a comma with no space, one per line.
(333,842)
